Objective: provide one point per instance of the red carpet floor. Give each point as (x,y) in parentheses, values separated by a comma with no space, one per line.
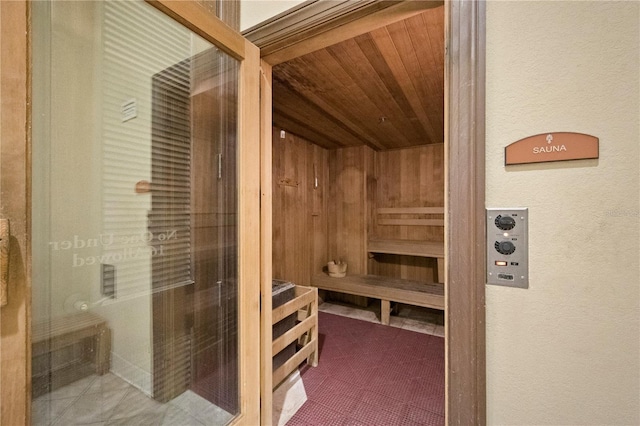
(371,374)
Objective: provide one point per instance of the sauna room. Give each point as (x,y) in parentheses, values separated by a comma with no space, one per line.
(358,189)
(358,166)
(358,196)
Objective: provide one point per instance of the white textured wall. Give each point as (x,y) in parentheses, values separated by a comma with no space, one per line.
(87,161)
(253,12)
(65,191)
(567,350)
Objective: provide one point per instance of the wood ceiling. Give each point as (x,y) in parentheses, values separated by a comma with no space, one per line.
(384,89)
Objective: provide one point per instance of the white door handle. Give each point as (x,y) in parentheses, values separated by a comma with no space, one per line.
(4,260)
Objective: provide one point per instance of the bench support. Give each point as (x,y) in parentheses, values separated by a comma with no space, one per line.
(385,311)
(387,289)
(440,269)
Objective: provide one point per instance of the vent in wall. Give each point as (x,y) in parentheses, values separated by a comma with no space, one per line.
(108,280)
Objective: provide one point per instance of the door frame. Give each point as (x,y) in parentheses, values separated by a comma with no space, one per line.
(15,175)
(15,205)
(315,25)
(465,211)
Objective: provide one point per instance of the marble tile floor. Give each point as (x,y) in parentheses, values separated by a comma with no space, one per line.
(413,318)
(109,400)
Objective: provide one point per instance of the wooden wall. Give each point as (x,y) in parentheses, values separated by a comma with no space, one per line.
(299,208)
(350,197)
(332,222)
(349,200)
(410,177)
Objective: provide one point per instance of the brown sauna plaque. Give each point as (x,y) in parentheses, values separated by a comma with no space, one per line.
(545,147)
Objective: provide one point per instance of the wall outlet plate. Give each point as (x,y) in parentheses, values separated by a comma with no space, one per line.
(508,247)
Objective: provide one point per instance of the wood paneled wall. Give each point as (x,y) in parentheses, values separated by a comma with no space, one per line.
(317,165)
(332,222)
(299,208)
(349,213)
(411,177)
(350,197)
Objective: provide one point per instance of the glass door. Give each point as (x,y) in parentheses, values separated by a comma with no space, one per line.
(145,248)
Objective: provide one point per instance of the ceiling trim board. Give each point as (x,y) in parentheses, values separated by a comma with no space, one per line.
(301,19)
(302,31)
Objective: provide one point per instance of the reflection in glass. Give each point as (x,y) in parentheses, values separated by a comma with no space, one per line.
(135,219)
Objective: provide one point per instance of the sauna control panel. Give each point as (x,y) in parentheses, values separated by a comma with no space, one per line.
(507,247)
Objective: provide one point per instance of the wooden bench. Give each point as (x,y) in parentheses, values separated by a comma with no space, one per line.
(419,216)
(387,289)
(85,329)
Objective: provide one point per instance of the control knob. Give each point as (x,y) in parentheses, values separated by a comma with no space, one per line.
(505,223)
(505,247)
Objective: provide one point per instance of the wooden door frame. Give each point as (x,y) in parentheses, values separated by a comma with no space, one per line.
(15,145)
(301,31)
(465,211)
(15,175)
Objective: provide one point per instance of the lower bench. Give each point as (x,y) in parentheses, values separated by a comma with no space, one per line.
(69,348)
(387,289)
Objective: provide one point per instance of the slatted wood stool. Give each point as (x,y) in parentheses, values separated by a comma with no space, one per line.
(68,348)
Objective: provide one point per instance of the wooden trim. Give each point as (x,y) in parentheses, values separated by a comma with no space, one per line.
(198,19)
(410,210)
(465,195)
(339,28)
(15,205)
(411,222)
(313,17)
(300,19)
(266,244)
(249,220)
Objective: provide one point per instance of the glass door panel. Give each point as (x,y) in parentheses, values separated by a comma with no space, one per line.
(135,219)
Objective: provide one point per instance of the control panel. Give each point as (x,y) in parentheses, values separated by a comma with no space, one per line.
(507,247)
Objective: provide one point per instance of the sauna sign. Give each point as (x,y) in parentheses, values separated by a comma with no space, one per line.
(546,147)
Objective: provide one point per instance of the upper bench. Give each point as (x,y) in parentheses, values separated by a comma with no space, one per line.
(419,216)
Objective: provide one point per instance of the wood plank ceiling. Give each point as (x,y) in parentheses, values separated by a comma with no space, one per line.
(384,88)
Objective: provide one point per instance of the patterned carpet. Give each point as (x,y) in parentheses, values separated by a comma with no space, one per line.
(370,374)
